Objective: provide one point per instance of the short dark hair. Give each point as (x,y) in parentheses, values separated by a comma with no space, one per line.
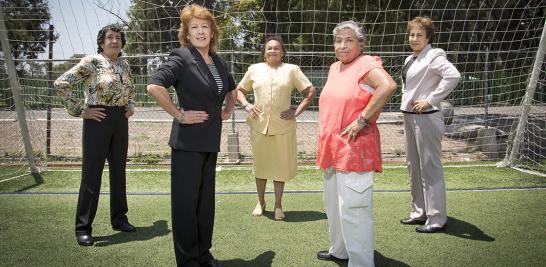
(274,38)
(102,35)
(424,23)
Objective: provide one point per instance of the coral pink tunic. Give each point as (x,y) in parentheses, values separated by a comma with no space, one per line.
(341,102)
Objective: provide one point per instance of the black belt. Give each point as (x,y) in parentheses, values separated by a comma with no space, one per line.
(418,113)
(108,107)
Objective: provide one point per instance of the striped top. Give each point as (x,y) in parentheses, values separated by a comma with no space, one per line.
(217,77)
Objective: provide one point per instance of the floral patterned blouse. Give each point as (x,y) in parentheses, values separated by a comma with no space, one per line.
(104,83)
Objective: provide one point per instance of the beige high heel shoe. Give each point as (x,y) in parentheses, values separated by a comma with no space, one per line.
(258,210)
(279,214)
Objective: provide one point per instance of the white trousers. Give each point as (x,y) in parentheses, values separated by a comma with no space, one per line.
(348,203)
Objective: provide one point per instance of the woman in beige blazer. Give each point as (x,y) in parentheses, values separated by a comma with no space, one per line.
(428,77)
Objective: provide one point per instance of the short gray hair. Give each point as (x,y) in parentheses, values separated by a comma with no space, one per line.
(355,26)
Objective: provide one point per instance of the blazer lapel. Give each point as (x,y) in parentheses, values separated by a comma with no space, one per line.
(202,67)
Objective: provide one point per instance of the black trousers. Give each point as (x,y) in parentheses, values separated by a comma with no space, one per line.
(103,140)
(192,203)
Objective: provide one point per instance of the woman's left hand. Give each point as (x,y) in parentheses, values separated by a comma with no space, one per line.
(288,114)
(352,130)
(129,113)
(421,105)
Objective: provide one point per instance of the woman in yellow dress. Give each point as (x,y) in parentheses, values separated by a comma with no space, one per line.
(272,120)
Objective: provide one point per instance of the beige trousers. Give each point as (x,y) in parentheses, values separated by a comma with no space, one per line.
(424,134)
(348,203)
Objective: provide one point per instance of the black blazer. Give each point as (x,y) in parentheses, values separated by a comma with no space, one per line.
(196,89)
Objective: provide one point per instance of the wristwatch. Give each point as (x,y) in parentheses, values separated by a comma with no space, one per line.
(362,121)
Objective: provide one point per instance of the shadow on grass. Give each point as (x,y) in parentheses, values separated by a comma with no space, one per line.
(38,180)
(159,228)
(379,260)
(462,229)
(263,260)
(298,216)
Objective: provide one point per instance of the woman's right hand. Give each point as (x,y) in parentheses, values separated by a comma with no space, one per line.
(253,110)
(96,114)
(352,130)
(192,117)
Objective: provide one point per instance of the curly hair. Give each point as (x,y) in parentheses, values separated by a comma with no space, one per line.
(353,25)
(196,11)
(102,35)
(424,23)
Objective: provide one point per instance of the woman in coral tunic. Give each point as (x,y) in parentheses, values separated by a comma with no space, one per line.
(349,152)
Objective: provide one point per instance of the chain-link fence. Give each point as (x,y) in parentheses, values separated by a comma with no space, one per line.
(478,124)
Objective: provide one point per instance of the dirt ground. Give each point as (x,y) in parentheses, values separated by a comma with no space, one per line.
(150,128)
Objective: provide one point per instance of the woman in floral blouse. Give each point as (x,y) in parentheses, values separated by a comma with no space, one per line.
(109,102)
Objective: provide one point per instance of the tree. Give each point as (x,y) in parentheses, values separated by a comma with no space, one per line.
(28,37)
(153,29)
(59,69)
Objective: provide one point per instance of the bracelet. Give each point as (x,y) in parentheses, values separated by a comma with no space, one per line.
(362,121)
(182,117)
(245,105)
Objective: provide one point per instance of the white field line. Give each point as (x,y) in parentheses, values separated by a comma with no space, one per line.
(244,168)
(530,172)
(12,178)
(286,192)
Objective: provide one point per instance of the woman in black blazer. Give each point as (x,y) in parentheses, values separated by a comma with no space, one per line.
(202,82)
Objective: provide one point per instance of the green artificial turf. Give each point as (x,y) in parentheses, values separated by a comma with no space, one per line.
(485,228)
(157,180)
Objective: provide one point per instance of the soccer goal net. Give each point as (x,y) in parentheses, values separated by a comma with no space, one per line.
(496,113)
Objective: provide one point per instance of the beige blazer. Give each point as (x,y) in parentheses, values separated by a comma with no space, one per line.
(272,90)
(431,77)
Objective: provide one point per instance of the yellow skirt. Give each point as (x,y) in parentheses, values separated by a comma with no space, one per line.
(275,156)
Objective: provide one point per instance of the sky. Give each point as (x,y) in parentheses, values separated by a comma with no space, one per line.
(77,23)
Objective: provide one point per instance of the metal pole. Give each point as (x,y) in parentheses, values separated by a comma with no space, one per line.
(16,91)
(233,113)
(486,88)
(49,92)
(527,99)
(233,136)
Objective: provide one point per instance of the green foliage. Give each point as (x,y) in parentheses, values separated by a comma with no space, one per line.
(302,155)
(59,69)
(145,158)
(28,36)
(399,151)
(502,27)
